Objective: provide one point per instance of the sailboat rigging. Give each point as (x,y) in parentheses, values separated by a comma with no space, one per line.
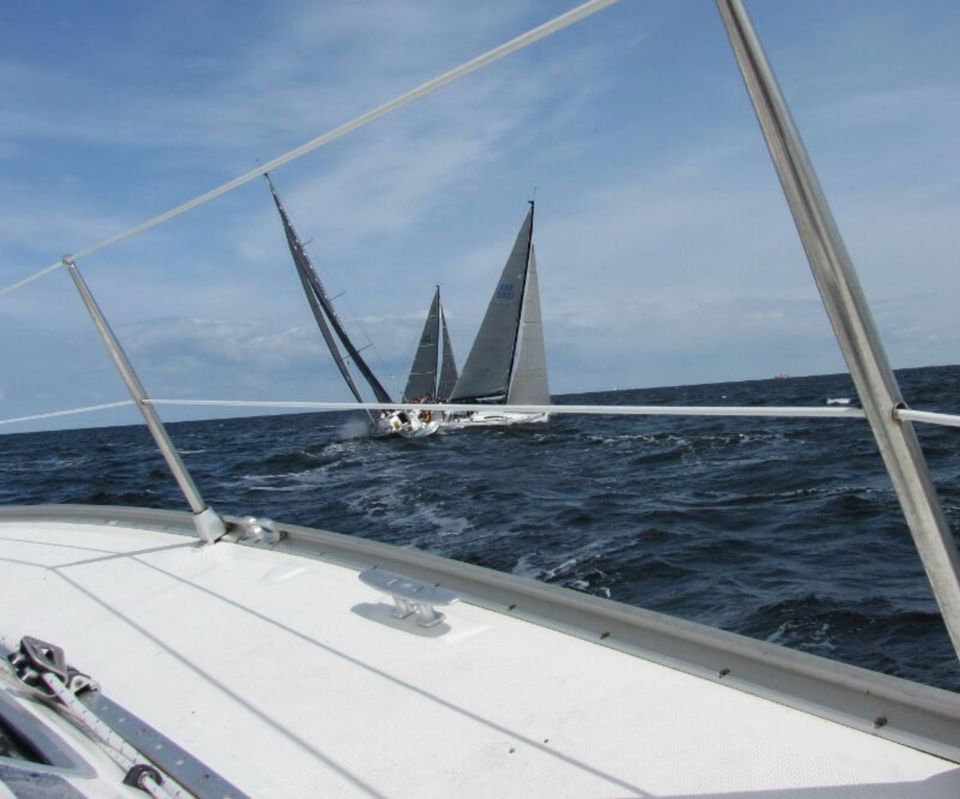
(383,423)
(507,363)
(434,371)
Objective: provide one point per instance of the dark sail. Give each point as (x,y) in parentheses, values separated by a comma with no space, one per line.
(486,373)
(317,295)
(448,367)
(304,268)
(423,375)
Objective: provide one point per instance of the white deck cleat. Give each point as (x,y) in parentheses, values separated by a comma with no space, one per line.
(411,596)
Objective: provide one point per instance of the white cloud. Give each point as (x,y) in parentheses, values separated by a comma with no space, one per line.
(311,67)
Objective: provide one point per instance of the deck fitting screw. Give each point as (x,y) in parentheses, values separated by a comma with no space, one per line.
(512,750)
(724,672)
(512,607)
(880,721)
(546,740)
(604,636)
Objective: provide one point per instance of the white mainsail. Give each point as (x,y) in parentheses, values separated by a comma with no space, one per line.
(529,385)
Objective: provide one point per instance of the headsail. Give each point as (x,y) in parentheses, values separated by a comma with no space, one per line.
(423,375)
(529,385)
(486,374)
(323,310)
(448,366)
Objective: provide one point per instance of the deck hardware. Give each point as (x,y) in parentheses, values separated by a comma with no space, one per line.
(105,719)
(139,774)
(604,636)
(880,721)
(259,531)
(35,658)
(412,597)
(895,413)
(723,672)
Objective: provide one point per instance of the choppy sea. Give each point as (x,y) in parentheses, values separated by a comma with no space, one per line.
(785,530)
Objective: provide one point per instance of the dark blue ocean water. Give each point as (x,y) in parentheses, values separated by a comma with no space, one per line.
(784,530)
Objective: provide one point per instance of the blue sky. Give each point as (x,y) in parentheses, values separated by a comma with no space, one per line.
(666,252)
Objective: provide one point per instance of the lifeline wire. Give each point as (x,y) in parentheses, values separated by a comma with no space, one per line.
(525,40)
(775,411)
(768,411)
(50,415)
(929,417)
(592,410)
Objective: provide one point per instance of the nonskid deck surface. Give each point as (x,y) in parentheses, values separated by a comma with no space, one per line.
(290,677)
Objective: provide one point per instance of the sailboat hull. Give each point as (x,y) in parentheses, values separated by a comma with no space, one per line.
(424,430)
(403,424)
(493,418)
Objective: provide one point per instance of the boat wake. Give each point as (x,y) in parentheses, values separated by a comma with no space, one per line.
(352,429)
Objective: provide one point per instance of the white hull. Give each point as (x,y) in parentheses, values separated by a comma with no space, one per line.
(422,430)
(491,418)
(405,424)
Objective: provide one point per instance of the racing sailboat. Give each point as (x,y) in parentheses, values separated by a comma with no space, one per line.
(382,423)
(301,662)
(434,371)
(507,364)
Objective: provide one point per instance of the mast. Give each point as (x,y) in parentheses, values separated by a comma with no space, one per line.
(317,295)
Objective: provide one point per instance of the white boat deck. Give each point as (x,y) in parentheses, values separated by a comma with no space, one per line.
(289,677)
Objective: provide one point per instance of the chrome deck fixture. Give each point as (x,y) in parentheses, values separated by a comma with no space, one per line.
(411,596)
(846,305)
(209,525)
(259,530)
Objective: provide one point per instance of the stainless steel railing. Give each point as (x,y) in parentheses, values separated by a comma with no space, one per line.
(851,318)
(209,525)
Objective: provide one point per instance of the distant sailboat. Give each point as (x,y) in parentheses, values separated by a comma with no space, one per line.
(423,384)
(508,361)
(381,423)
